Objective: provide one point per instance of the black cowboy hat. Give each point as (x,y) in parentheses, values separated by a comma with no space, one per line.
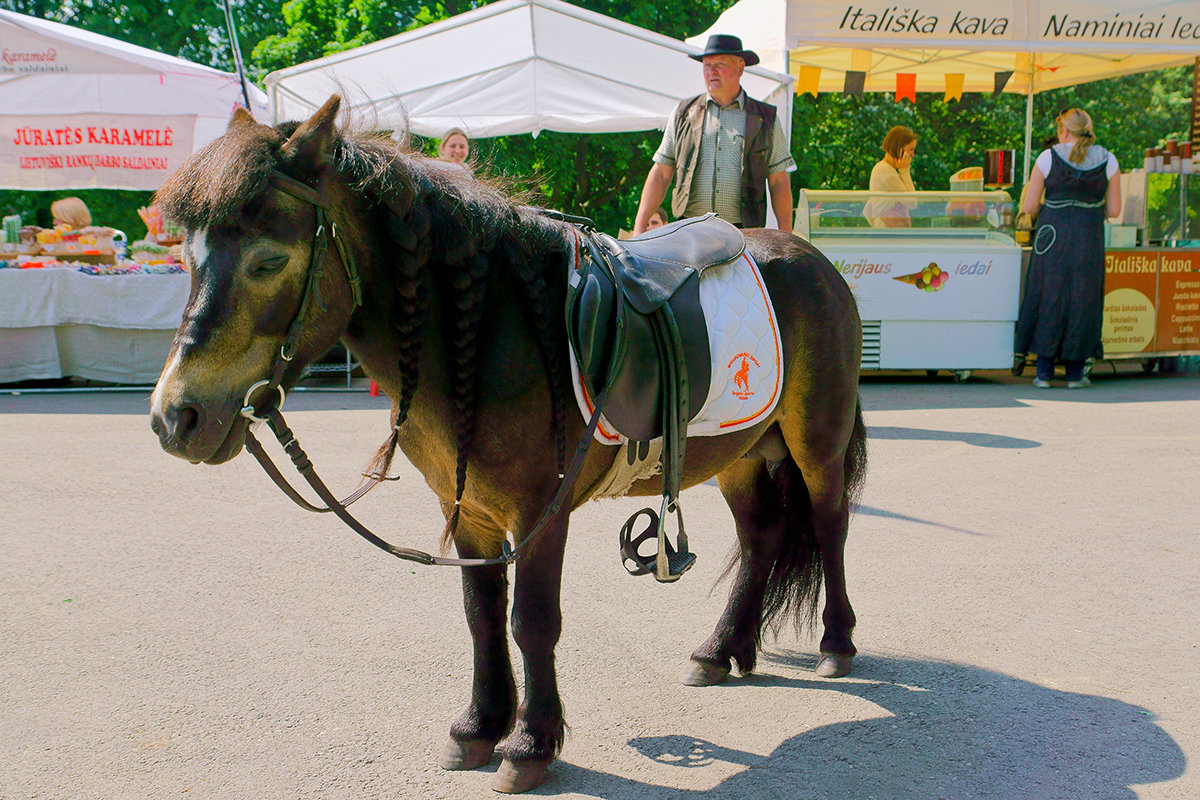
(722,44)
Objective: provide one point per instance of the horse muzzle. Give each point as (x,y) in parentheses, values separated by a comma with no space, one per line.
(198,432)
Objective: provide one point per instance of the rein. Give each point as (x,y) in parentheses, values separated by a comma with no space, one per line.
(273,416)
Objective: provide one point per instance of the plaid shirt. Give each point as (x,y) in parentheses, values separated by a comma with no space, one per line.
(717,182)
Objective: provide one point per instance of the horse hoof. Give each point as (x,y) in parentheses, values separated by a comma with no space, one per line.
(515,778)
(834,666)
(702,673)
(466,755)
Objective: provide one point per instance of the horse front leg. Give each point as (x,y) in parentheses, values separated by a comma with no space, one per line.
(489,716)
(536,625)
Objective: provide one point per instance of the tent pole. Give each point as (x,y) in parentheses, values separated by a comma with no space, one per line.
(1029,119)
(237,54)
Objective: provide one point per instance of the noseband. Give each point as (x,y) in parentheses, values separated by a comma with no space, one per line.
(272,415)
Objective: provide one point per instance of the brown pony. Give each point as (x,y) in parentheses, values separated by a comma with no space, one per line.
(460,322)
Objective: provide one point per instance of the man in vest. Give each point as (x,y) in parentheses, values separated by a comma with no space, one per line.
(725,150)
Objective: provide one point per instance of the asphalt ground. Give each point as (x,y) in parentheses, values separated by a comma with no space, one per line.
(1024,569)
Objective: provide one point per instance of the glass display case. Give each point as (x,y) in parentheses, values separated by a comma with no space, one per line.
(953,214)
(936,275)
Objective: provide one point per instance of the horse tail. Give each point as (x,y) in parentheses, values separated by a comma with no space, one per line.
(793,588)
(855,468)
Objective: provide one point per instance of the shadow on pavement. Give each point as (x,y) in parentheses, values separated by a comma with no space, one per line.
(924,434)
(999,389)
(945,730)
(879,512)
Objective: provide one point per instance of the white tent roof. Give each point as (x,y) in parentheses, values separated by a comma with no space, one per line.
(517,66)
(1047,44)
(54,76)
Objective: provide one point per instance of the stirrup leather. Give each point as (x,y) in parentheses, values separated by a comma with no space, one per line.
(668,563)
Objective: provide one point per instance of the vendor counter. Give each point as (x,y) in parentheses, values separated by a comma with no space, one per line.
(60,322)
(937,285)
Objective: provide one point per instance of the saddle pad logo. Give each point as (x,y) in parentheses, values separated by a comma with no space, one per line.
(741,378)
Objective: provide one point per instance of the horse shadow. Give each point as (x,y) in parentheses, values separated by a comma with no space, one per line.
(951,731)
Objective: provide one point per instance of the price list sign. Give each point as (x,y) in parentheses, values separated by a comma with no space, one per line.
(1178,300)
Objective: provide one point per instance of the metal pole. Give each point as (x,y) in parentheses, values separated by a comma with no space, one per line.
(237,54)
(1029,119)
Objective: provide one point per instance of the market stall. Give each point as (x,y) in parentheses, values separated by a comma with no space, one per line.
(79,110)
(944,46)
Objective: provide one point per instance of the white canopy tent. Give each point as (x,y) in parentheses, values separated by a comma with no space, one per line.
(516,66)
(1045,44)
(79,110)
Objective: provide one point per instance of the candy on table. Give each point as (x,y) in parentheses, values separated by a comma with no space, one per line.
(12,229)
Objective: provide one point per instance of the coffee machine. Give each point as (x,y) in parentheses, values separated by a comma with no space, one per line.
(998,168)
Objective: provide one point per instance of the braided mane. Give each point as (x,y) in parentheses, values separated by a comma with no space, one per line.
(454,233)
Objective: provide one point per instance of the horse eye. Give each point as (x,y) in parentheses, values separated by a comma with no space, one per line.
(268,266)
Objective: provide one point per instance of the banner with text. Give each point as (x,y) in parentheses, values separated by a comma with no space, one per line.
(92,151)
(1173,23)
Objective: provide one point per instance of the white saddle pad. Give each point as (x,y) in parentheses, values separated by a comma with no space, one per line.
(745,349)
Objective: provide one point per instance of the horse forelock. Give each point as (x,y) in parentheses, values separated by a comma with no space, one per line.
(222,178)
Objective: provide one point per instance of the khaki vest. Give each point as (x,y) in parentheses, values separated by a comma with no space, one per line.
(689,128)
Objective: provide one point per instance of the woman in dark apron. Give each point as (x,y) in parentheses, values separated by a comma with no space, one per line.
(1062,310)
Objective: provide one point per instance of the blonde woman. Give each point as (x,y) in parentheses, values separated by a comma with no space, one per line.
(1062,310)
(455,147)
(71,211)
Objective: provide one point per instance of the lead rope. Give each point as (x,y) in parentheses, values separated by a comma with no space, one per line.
(274,419)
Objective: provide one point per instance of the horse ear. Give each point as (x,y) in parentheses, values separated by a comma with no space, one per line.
(311,146)
(241,119)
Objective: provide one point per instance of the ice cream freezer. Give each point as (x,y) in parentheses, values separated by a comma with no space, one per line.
(937,275)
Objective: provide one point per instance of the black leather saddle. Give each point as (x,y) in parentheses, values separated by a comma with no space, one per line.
(639,335)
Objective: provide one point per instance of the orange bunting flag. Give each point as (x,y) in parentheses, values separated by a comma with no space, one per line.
(808,81)
(906,86)
(954,86)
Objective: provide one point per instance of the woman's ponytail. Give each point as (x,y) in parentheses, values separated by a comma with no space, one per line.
(1078,123)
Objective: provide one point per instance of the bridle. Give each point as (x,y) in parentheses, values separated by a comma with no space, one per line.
(273,416)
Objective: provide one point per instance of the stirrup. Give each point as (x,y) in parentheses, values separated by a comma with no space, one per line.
(667,564)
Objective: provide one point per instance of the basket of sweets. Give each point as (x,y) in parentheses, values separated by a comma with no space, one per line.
(28,241)
(148,252)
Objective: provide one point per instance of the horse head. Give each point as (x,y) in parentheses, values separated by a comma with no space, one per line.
(258,206)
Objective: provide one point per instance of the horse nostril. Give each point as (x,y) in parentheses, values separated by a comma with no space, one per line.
(187,420)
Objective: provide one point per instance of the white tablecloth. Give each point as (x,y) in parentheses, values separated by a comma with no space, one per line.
(59,322)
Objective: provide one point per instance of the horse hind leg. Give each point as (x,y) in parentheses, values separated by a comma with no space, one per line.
(776,563)
(833,484)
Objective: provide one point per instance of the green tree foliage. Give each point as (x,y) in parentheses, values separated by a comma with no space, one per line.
(836,139)
(191,29)
(316,28)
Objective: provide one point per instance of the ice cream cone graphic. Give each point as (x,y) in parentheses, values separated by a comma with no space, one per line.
(930,279)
